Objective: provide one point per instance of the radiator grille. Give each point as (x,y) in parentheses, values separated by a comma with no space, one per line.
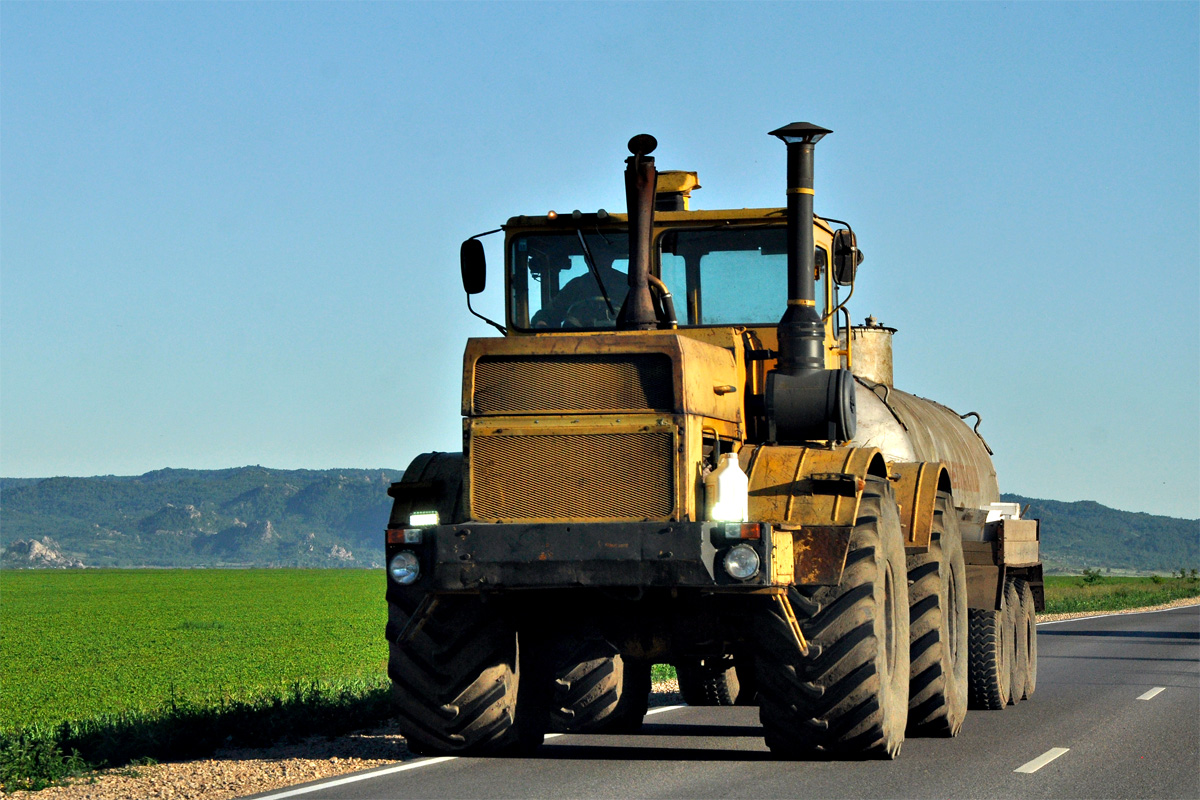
(581,476)
(633,381)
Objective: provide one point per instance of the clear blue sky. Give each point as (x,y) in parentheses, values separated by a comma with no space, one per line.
(229,231)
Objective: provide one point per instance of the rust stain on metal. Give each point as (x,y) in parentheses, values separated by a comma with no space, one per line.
(820,554)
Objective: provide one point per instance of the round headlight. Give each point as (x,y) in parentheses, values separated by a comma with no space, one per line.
(404,567)
(742,562)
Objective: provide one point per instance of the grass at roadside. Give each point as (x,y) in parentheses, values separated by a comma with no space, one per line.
(1072,593)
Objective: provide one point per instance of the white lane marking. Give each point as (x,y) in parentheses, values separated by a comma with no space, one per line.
(1118,614)
(661,709)
(1042,760)
(1152,693)
(362,776)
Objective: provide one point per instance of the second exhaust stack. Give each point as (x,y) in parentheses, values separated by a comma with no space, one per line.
(805,401)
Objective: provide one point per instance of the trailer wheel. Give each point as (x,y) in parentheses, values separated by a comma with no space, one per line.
(849,696)
(1028,629)
(1015,620)
(708,681)
(937,594)
(460,684)
(596,690)
(990,651)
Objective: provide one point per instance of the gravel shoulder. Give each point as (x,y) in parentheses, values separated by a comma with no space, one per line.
(235,773)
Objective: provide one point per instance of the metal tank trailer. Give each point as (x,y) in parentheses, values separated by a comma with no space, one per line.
(742,495)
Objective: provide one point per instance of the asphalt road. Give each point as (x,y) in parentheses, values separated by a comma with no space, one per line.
(1096,728)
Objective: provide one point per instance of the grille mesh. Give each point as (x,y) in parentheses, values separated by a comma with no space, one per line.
(630,381)
(581,476)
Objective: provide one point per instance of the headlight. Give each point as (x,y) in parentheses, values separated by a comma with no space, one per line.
(742,562)
(404,567)
(423,518)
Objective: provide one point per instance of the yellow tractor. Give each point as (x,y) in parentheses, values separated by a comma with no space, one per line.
(657,467)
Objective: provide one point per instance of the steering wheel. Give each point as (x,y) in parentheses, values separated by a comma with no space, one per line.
(591,312)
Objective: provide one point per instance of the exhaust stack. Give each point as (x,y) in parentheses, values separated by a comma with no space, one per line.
(637,312)
(805,402)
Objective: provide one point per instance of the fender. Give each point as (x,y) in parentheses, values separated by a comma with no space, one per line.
(432,482)
(814,494)
(916,484)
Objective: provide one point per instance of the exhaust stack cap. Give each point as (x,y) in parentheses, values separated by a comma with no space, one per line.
(801,133)
(643,144)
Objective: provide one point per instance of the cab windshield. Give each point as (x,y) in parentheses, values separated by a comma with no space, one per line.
(726,276)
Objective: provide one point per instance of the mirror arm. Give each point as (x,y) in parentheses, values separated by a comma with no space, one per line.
(495,325)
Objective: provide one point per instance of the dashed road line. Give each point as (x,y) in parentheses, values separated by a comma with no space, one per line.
(1152,693)
(1042,760)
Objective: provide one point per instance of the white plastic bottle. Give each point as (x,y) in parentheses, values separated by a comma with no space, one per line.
(727,492)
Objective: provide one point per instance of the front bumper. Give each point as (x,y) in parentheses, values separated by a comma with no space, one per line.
(482,556)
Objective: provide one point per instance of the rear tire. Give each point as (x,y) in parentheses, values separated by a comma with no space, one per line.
(849,696)
(937,593)
(708,681)
(597,690)
(1029,611)
(990,663)
(459,684)
(1014,615)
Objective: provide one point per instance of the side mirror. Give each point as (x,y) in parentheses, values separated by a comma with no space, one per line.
(846,257)
(474,266)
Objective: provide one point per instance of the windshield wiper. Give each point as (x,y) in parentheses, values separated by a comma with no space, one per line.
(587,256)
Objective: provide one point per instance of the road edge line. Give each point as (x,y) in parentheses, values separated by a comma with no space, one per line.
(1118,614)
(354,778)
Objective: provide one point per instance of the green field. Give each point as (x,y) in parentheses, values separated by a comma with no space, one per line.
(76,644)
(1072,593)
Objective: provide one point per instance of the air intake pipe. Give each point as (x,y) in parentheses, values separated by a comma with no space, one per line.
(637,312)
(805,401)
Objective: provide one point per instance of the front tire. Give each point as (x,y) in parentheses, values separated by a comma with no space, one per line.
(849,696)
(460,684)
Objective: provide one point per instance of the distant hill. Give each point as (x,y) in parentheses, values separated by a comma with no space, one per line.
(254,516)
(1087,534)
(185,518)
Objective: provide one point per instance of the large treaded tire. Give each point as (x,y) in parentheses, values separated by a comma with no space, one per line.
(1015,619)
(1028,629)
(849,696)
(937,594)
(708,681)
(596,690)
(459,684)
(990,650)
